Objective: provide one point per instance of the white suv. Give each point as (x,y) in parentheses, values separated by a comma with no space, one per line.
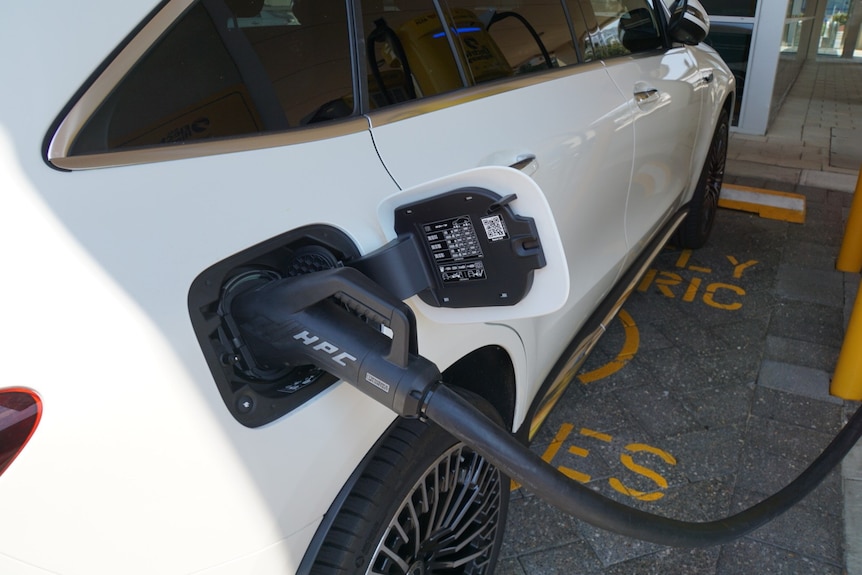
(506,168)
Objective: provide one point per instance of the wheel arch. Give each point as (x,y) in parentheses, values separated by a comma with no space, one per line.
(489,373)
(703,143)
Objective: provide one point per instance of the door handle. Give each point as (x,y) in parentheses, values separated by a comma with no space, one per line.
(527,163)
(646,96)
(523,161)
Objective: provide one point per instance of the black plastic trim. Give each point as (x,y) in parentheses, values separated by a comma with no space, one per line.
(608,307)
(256,395)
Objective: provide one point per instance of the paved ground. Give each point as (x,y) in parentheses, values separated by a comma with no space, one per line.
(807,142)
(724,402)
(725,399)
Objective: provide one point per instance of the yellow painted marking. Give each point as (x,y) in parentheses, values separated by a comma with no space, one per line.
(579,451)
(709,300)
(628,461)
(738,268)
(596,435)
(691,292)
(572,473)
(770,204)
(682,262)
(649,277)
(563,433)
(638,447)
(634,493)
(576,475)
(665,281)
(552,449)
(630,348)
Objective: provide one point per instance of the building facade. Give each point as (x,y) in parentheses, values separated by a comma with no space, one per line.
(765,43)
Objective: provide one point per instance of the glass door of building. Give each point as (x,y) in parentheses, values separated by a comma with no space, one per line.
(839,31)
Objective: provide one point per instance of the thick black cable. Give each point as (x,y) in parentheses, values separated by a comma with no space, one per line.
(453,413)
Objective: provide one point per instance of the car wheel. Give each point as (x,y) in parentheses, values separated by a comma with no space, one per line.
(425,503)
(695,230)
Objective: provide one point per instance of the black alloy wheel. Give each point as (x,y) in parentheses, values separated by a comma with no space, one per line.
(447,523)
(695,230)
(424,504)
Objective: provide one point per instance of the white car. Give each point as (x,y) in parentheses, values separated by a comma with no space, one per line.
(508,173)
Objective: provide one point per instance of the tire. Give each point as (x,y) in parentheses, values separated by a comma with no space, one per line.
(424,504)
(694,231)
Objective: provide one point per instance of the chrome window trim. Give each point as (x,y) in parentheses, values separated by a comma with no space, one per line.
(200,149)
(407,110)
(382,117)
(61,141)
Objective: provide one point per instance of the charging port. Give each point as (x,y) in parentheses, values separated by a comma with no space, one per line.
(254,391)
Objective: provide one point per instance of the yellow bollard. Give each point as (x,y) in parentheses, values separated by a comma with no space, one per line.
(847,381)
(850,256)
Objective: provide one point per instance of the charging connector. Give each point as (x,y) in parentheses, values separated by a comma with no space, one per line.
(331,319)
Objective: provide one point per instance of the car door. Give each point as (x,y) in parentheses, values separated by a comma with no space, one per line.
(663,87)
(517,95)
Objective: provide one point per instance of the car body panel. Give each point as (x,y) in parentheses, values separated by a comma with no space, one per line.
(177,458)
(586,197)
(720,92)
(666,129)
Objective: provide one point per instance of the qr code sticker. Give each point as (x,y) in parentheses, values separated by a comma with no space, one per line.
(495,229)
